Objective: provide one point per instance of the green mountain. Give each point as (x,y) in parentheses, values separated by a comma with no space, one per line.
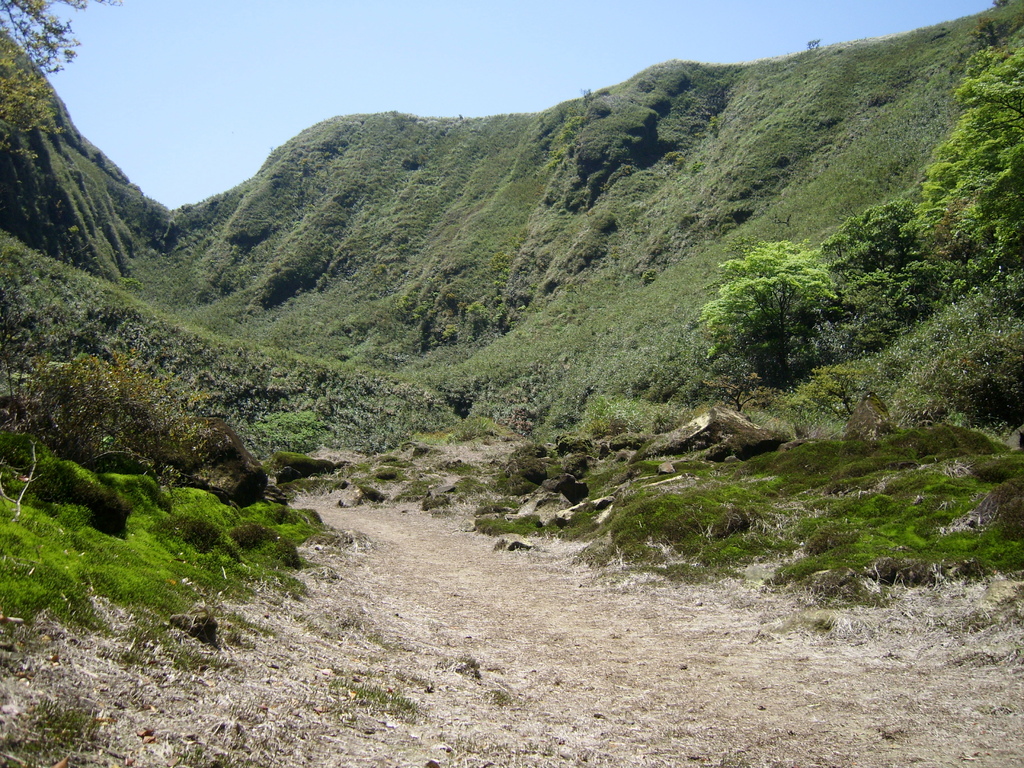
(517,266)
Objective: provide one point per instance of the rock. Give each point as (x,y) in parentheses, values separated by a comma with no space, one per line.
(721,432)
(627,441)
(757,574)
(1015,441)
(869,421)
(224,467)
(546,505)
(441,490)
(512,543)
(812,620)
(568,444)
(200,624)
(274,494)
(368,493)
(1004,506)
(568,486)
(909,573)
(288,466)
(667,468)
(576,464)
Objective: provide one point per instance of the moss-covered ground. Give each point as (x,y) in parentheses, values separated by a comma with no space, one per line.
(177,546)
(825,505)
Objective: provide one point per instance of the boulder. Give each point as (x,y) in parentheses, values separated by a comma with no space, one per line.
(548,506)
(1016,439)
(721,433)
(869,421)
(512,543)
(224,467)
(567,485)
(288,466)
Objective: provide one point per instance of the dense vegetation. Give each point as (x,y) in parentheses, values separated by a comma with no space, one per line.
(784,235)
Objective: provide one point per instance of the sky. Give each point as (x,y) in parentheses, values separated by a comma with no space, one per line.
(189,97)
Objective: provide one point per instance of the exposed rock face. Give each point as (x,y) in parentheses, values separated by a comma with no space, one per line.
(869,421)
(721,432)
(227,469)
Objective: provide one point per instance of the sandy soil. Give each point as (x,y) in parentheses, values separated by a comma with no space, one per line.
(419,645)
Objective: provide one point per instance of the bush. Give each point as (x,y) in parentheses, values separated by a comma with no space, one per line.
(99,413)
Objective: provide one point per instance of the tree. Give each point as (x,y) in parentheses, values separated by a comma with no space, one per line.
(33,40)
(766,308)
(883,279)
(974,196)
(42,35)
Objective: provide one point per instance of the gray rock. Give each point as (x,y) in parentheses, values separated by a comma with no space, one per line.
(1002,593)
(567,485)
(546,505)
(512,543)
(441,490)
(721,432)
(869,421)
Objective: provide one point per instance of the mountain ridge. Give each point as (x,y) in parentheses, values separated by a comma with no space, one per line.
(526,263)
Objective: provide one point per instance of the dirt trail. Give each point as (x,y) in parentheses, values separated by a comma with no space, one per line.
(580,667)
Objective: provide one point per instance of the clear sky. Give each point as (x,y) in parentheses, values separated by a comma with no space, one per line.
(189,96)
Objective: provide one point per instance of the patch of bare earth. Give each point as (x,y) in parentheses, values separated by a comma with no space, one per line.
(419,645)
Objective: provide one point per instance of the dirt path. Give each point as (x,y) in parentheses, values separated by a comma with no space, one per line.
(577,667)
(415,645)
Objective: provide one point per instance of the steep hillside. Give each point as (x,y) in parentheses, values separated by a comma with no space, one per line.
(518,265)
(61,195)
(276,399)
(383,238)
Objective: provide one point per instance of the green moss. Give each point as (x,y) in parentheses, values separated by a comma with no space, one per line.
(528,525)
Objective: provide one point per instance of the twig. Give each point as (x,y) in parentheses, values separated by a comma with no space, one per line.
(24,488)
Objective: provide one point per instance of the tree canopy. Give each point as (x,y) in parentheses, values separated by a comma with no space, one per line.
(974,196)
(44,37)
(33,39)
(766,307)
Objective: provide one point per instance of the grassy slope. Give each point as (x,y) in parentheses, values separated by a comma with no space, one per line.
(345,404)
(591,231)
(60,195)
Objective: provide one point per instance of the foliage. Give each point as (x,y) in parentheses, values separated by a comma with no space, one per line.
(108,414)
(25,96)
(43,35)
(833,389)
(884,281)
(972,197)
(289,431)
(765,309)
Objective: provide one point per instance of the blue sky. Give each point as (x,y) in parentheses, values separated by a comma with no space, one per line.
(189,96)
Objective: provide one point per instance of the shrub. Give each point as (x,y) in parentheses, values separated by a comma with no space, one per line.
(98,413)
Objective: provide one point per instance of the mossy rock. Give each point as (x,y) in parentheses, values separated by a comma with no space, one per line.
(62,482)
(288,466)
(569,444)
